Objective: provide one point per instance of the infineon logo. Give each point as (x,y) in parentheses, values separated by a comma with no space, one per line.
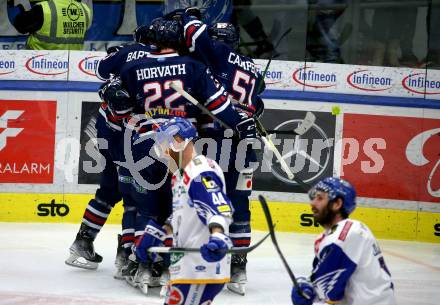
(271,76)
(311,77)
(7,66)
(42,65)
(364,80)
(88,65)
(417,83)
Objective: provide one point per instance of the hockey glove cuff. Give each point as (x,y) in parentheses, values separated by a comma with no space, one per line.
(304,290)
(154,235)
(217,247)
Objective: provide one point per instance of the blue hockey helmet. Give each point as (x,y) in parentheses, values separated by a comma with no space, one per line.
(143,34)
(166,33)
(116,97)
(166,135)
(337,188)
(225,32)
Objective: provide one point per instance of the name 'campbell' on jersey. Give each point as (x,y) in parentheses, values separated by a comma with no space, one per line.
(149,80)
(237,73)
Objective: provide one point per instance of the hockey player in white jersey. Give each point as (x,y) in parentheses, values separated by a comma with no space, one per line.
(200,219)
(348,267)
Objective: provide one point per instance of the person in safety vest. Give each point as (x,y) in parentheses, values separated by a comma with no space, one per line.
(55,24)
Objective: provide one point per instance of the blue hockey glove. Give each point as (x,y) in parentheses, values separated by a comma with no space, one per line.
(114,49)
(154,235)
(307,289)
(246,127)
(216,248)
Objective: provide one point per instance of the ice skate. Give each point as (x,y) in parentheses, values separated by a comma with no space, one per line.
(164,279)
(238,274)
(143,278)
(120,261)
(157,270)
(82,252)
(129,270)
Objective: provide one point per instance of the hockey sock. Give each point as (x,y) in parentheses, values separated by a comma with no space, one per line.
(95,216)
(240,234)
(128,224)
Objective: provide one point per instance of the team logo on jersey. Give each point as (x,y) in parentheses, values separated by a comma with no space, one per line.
(326,283)
(175,257)
(209,184)
(175,296)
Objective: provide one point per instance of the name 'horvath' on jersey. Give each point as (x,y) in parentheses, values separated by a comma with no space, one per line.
(148,80)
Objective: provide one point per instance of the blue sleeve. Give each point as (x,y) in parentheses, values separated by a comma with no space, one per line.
(332,270)
(108,65)
(214,96)
(205,192)
(209,51)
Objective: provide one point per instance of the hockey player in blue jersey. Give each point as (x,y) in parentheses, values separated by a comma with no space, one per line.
(216,46)
(116,105)
(150,81)
(200,218)
(110,65)
(348,267)
(109,127)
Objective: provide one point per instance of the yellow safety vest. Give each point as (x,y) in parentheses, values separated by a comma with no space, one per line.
(64,26)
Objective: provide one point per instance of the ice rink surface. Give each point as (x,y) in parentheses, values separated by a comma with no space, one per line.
(32,270)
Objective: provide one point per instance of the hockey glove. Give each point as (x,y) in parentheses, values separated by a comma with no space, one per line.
(307,289)
(216,248)
(114,49)
(154,235)
(246,127)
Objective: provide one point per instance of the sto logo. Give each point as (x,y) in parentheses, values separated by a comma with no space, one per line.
(9,132)
(414,154)
(175,297)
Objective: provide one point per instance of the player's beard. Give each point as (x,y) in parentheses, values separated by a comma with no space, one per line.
(326,216)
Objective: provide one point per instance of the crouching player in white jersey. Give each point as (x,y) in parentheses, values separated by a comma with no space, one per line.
(348,267)
(201,217)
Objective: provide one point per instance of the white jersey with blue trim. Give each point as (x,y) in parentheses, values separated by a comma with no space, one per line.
(349,267)
(199,199)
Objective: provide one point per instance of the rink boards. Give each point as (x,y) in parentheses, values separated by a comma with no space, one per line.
(382,136)
(288,216)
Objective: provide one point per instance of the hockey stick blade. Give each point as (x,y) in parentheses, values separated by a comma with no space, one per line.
(302,128)
(236,250)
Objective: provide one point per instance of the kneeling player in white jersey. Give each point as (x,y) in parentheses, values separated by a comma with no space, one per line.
(348,267)
(200,219)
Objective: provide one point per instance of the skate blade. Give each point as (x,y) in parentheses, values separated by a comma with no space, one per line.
(163,291)
(130,280)
(236,288)
(143,288)
(80,262)
(118,276)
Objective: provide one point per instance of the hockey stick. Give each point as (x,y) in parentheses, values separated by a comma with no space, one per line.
(264,136)
(236,250)
(271,57)
(275,243)
(302,128)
